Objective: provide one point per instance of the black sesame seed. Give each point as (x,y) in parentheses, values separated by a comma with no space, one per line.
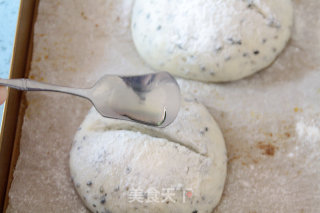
(101,189)
(218,49)
(203,69)
(89,183)
(159,27)
(264,40)
(94,205)
(233,41)
(256,52)
(206,129)
(245,54)
(274,24)
(195,211)
(103,200)
(128,170)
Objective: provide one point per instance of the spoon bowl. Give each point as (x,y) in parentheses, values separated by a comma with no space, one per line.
(152,99)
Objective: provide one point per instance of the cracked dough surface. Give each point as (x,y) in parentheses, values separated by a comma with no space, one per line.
(211,40)
(111,159)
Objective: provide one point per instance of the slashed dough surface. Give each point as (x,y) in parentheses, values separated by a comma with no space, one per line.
(269,121)
(112,161)
(211,40)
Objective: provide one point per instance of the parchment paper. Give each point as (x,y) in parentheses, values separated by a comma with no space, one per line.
(270,121)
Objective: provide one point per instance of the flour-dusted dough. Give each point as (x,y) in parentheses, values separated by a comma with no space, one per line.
(211,40)
(115,162)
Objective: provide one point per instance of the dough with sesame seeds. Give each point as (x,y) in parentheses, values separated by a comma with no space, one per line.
(120,166)
(211,40)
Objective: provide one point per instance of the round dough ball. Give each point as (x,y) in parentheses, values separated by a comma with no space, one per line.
(211,40)
(120,166)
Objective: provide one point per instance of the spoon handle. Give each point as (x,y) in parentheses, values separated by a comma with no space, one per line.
(31,85)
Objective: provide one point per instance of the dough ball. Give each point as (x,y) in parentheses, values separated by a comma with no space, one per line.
(120,166)
(211,40)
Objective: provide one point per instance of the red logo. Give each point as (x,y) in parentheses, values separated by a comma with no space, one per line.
(189,194)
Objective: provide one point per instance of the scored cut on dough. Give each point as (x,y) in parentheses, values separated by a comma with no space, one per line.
(110,160)
(211,40)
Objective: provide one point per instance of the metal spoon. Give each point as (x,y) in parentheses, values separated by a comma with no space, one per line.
(152,99)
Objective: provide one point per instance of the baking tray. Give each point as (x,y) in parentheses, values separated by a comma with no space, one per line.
(270,120)
(14,106)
